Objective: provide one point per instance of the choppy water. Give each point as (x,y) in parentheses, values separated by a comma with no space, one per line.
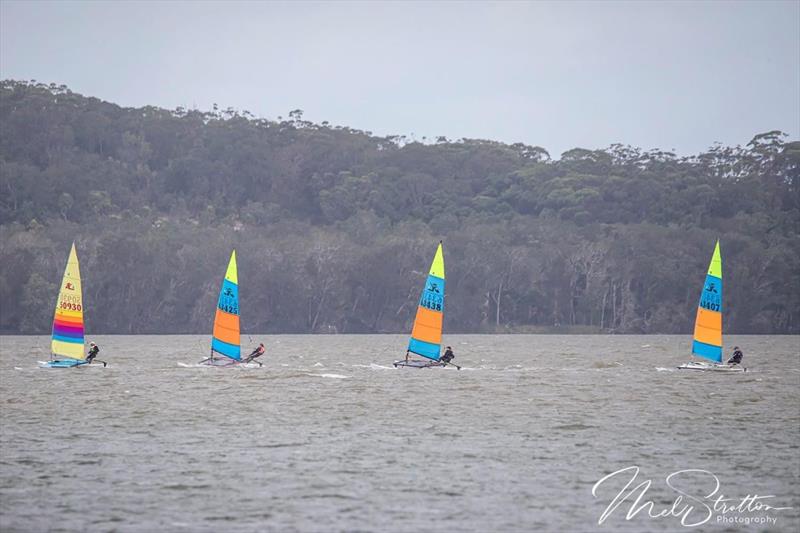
(328,437)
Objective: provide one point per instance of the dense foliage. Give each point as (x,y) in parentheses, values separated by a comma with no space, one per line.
(335,227)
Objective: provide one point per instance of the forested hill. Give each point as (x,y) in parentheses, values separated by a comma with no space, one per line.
(335,228)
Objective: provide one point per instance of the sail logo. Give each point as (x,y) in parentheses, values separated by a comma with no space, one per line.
(711,298)
(699,499)
(69,286)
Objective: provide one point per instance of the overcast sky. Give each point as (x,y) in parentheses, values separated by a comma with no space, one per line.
(670,75)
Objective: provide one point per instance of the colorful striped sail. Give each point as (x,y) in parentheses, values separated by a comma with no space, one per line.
(226,339)
(67,336)
(708,325)
(426,336)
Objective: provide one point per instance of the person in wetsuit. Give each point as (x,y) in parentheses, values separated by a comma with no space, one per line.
(736,358)
(448,355)
(93,351)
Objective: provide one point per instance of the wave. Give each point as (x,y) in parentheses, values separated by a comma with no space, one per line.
(601,364)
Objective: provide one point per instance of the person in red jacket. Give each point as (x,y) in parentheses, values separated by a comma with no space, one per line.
(258,352)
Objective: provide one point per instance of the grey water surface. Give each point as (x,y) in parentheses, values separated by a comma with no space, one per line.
(327,436)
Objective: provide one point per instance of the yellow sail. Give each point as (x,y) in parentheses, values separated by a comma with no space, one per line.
(67,336)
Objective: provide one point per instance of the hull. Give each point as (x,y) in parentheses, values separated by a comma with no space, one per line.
(220,362)
(62,363)
(712,367)
(417,363)
(225,362)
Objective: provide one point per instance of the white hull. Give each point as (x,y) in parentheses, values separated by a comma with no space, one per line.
(225,362)
(418,363)
(712,367)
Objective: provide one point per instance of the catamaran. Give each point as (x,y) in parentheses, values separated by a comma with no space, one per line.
(707,342)
(426,335)
(66,347)
(226,338)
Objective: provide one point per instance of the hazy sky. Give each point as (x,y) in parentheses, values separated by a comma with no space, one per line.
(664,75)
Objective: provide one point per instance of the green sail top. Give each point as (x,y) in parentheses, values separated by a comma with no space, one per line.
(715,267)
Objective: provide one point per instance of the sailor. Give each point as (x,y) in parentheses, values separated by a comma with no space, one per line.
(258,352)
(736,359)
(93,351)
(448,355)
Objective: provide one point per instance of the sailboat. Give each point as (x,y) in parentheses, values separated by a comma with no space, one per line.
(707,341)
(426,335)
(226,346)
(66,345)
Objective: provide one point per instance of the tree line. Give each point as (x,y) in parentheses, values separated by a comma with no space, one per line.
(335,227)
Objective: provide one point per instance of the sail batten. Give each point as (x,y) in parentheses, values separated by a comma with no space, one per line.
(226,336)
(707,340)
(67,331)
(426,335)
